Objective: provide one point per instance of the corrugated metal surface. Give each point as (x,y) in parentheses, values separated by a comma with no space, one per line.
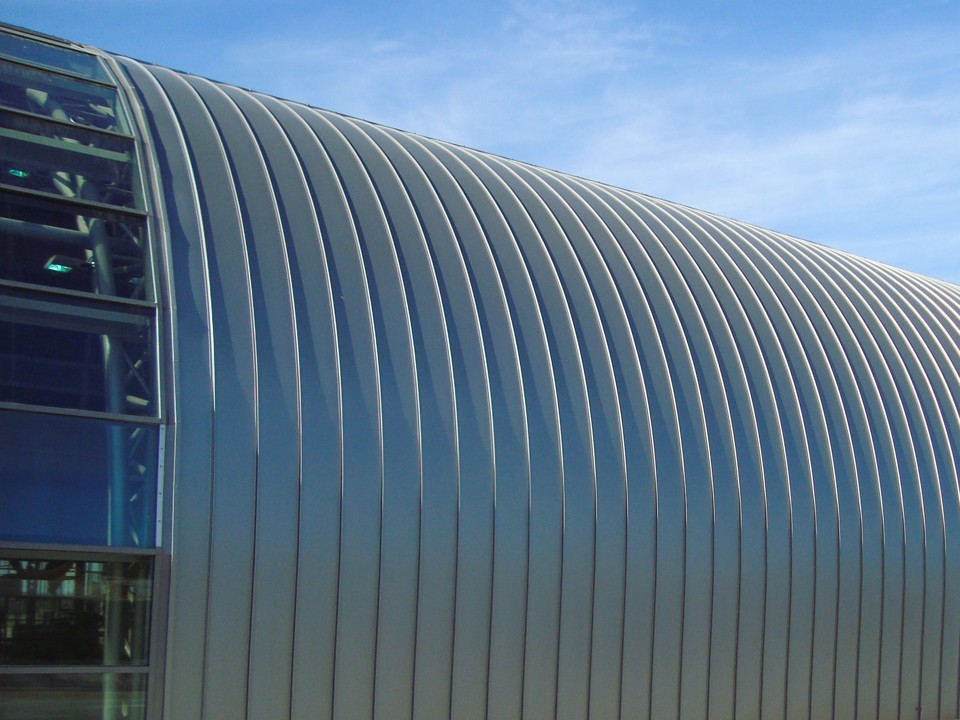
(457,436)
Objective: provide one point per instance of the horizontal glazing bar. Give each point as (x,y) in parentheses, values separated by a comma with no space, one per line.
(93,131)
(89,205)
(11,287)
(103,553)
(73,670)
(71,412)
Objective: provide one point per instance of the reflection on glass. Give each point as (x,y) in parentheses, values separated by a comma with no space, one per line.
(110,696)
(60,365)
(71,247)
(60,98)
(52,56)
(77,480)
(73,612)
(67,160)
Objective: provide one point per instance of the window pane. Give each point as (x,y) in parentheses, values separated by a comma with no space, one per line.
(66,160)
(77,480)
(60,98)
(72,247)
(52,56)
(110,696)
(66,612)
(59,366)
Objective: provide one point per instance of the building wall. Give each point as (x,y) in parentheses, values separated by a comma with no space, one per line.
(456,436)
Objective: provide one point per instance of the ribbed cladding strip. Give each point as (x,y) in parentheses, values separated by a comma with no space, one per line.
(438,490)
(403,461)
(924,424)
(940,359)
(234,376)
(713,466)
(520,548)
(785,462)
(876,554)
(492,426)
(827,572)
(681,394)
(858,387)
(319,404)
(566,244)
(874,361)
(375,592)
(917,348)
(852,456)
(760,455)
(426,182)
(789,497)
(588,234)
(738,549)
(578,484)
(648,400)
(353,440)
(277,404)
(193,397)
(827,414)
(500,250)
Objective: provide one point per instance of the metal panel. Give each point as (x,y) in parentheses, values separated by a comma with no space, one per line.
(531,408)
(277,399)
(361,484)
(460,437)
(234,432)
(192,402)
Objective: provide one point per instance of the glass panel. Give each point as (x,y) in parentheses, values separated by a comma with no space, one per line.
(66,160)
(66,246)
(110,696)
(52,56)
(66,612)
(60,98)
(77,480)
(60,363)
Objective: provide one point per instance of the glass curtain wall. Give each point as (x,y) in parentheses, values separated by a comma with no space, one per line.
(79,413)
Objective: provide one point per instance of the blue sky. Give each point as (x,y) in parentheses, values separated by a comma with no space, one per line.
(838,121)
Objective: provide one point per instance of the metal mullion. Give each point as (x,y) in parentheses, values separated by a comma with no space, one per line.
(74,669)
(76,202)
(91,319)
(26,114)
(130,303)
(86,553)
(151,420)
(62,146)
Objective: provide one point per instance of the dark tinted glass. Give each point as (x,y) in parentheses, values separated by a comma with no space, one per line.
(74,612)
(60,98)
(66,160)
(60,360)
(68,246)
(52,56)
(77,480)
(110,696)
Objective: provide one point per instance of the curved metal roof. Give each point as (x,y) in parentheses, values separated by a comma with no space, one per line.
(488,439)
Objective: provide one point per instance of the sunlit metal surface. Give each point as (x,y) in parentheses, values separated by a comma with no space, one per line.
(462,437)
